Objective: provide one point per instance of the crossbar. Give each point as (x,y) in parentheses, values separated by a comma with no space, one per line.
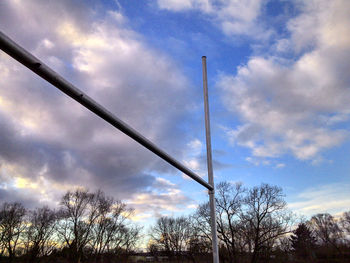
(34,64)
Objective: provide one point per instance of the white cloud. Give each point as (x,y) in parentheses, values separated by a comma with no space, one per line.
(163,197)
(196,146)
(233,17)
(280,165)
(181,5)
(289,106)
(176,5)
(261,161)
(193,158)
(331,198)
(321,23)
(255,161)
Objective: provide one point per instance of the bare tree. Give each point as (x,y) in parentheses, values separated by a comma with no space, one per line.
(39,233)
(202,222)
(125,239)
(247,221)
(267,218)
(103,229)
(197,244)
(12,226)
(78,214)
(2,237)
(229,200)
(345,225)
(111,232)
(284,244)
(345,222)
(327,230)
(171,235)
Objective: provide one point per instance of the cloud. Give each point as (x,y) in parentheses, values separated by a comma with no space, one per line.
(295,106)
(261,161)
(193,156)
(331,198)
(325,22)
(163,197)
(233,17)
(196,159)
(257,161)
(280,165)
(46,135)
(179,5)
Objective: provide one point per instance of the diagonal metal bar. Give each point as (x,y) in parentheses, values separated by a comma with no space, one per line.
(38,67)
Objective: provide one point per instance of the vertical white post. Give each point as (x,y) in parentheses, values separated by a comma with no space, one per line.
(210,165)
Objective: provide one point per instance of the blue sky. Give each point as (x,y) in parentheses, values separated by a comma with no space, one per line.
(279,99)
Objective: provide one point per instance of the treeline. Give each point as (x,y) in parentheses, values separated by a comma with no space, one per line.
(254,225)
(89,227)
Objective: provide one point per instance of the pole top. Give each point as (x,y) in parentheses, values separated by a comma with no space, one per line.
(204,56)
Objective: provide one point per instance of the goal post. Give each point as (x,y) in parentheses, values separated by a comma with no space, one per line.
(38,67)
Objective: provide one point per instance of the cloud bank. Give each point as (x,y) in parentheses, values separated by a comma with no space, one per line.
(331,198)
(295,106)
(49,143)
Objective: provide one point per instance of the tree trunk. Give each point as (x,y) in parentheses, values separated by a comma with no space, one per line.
(254,257)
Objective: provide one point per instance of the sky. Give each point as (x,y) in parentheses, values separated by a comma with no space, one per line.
(279,95)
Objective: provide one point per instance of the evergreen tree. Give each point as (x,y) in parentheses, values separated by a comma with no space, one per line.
(303,242)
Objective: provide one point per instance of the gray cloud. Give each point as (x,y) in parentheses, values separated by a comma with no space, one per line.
(47,140)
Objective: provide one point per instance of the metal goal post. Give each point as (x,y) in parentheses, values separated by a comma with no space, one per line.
(34,64)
